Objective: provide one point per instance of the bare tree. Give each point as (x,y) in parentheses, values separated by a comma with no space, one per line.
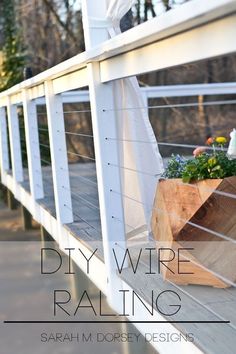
(148,7)
(52,31)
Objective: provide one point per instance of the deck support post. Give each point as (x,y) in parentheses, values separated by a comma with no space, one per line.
(3,193)
(45,236)
(32,146)
(139,347)
(26,218)
(80,282)
(46,240)
(11,201)
(4,153)
(104,125)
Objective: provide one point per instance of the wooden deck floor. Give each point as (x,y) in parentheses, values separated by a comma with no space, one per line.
(199,303)
(84,195)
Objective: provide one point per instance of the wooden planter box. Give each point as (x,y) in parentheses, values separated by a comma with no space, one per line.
(177,207)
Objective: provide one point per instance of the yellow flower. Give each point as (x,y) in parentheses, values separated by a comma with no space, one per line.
(212,161)
(221,140)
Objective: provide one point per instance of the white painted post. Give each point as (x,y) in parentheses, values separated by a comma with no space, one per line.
(4,153)
(32,146)
(104,125)
(15,146)
(60,173)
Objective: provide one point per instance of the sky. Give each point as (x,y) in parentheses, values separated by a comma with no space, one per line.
(157,3)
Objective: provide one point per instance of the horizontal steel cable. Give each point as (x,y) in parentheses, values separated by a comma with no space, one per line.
(78,134)
(83,156)
(190,146)
(177,105)
(79,196)
(224,237)
(82,219)
(88,180)
(133,170)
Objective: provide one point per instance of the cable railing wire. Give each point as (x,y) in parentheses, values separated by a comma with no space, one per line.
(85,179)
(78,134)
(44,146)
(43,129)
(86,202)
(177,105)
(161,143)
(80,197)
(230,195)
(133,170)
(82,219)
(46,162)
(189,146)
(215,233)
(78,111)
(192,146)
(87,194)
(82,156)
(131,227)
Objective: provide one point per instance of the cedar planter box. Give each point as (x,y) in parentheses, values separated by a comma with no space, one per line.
(177,207)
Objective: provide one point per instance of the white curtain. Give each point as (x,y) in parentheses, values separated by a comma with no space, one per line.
(133,125)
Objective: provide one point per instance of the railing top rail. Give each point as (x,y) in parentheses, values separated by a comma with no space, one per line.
(187,90)
(191,14)
(222,88)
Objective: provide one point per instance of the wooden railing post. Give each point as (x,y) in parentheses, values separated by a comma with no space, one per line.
(104,125)
(15,145)
(32,146)
(60,173)
(4,153)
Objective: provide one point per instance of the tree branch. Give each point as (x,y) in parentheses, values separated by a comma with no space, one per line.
(65,26)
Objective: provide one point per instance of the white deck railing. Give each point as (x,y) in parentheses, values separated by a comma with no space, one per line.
(195,31)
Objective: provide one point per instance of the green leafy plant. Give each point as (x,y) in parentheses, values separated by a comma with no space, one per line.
(13,51)
(203,165)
